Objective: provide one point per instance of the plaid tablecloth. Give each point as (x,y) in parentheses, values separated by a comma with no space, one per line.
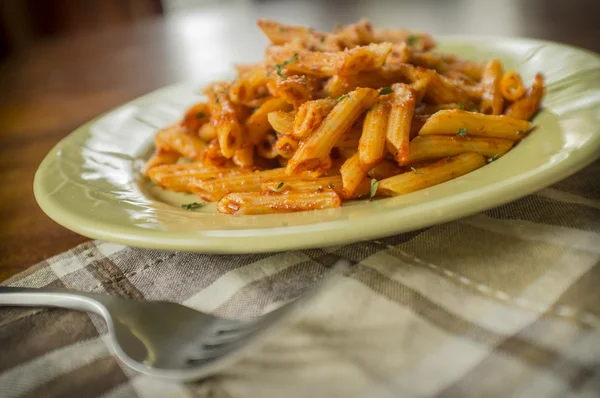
(502,304)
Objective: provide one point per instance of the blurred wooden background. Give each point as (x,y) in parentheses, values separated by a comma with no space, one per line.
(23,22)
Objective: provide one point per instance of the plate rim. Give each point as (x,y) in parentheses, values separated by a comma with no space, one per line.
(231,241)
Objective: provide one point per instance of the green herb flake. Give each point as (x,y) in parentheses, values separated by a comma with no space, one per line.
(461,107)
(412,40)
(462,132)
(385,90)
(474,110)
(216,100)
(192,206)
(416,171)
(184,159)
(278,133)
(322,39)
(374,186)
(342,97)
(279,187)
(281,29)
(268,74)
(151,183)
(279,67)
(493,158)
(200,115)
(369,110)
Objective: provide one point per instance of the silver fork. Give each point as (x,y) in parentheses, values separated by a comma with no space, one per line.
(161,339)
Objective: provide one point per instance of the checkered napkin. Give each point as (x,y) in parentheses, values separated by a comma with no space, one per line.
(505,303)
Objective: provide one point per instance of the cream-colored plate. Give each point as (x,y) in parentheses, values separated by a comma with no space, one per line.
(90,182)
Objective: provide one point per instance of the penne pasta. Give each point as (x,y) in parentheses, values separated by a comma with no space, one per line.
(195,117)
(175,138)
(371,146)
(385,169)
(298,184)
(526,107)
(399,120)
(286,146)
(277,202)
(177,177)
(434,174)
(492,101)
(226,122)
(431,147)
(449,122)
(511,86)
(257,125)
(310,115)
(282,122)
(316,148)
(161,157)
(325,113)
(353,173)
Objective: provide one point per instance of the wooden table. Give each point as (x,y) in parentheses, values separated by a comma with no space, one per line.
(58,85)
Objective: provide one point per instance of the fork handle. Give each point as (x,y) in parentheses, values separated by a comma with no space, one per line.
(47,297)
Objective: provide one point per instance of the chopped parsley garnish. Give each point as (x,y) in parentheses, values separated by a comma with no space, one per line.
(279,187)
(268,74)
(192,206)
(462,132)
(416,172)
(493,158)
(374,186)
(385,90)
(278,133)
(281,29)
(216,100)
(370,109)
(474,110)
(342,97)
(461,107)
(200,115)
(184,159)
(412,40)
(279,67)
(322,39)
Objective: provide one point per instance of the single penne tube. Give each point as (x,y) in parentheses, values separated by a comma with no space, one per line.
(399,120)
(300,184)
(244,157)
(195,117)
(310,115)
(294,60)
(258,124)
(175,138)
(296,89)
(282,122)
(318,146)
(526,107)
(353,173)
(371,146)
(434,174)
(512,86)
(178,176)
(385,169)
(227,124)
(363,58)
(238,183)
(431,147)
(492,101)
(247,203)
(207,132)
(279,33)
(160,158)
(449,122)
(286,146)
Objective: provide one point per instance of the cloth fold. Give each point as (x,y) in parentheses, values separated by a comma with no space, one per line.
(503,303)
